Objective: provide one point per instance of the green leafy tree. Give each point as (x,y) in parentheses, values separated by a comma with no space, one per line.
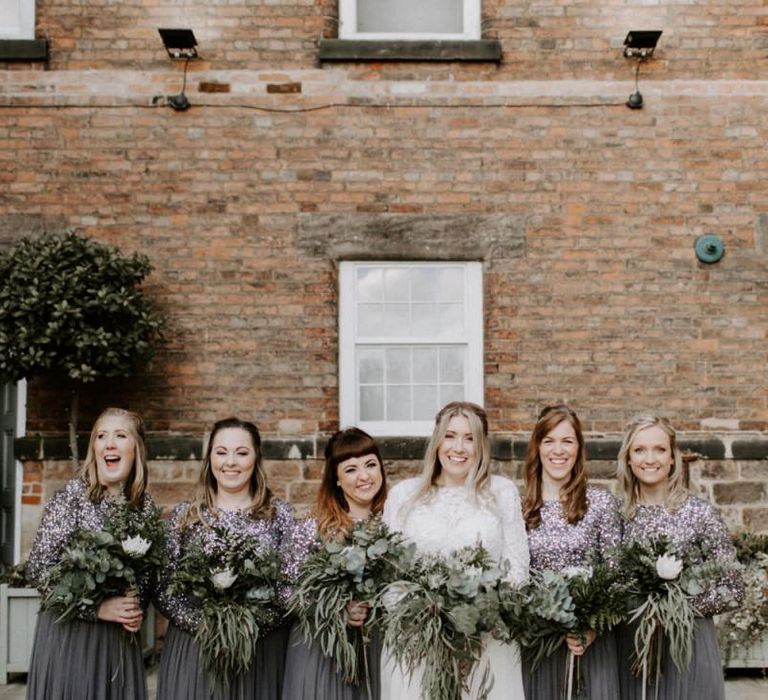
(71,307)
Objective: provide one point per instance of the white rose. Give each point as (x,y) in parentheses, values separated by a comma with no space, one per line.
(668,567)
(135,546)
(394,594)
(223,579)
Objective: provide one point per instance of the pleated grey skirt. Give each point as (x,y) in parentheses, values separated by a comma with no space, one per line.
(181,677)
(598,668)
(81,660)
(703,679)
(311,676)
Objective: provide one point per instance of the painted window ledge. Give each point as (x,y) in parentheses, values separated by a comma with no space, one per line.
(30,50)
(427,50)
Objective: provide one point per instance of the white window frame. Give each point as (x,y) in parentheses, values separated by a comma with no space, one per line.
(348,25)
(23,25)
(472,340)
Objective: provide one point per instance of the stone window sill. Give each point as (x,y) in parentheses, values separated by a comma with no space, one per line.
(28,50)
(354,50)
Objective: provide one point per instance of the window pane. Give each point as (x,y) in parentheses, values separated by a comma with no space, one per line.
(424,365)
(451,319)
(371,403)
(425,283)
(370,319)
(451,284)
(407,16)
(370,285)
(370,366)
(396,285)
(426,320)
(425,402)
(451,392)
(396,321)
(452,365)
(399,403)
(398,365)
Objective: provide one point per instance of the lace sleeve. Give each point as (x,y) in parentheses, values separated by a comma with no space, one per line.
(394,505)
(515,549)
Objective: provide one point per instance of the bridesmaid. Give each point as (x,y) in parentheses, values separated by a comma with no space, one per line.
(353,488)
(657,503)
(455,503)
(570,524)
(231,493)
(92,656)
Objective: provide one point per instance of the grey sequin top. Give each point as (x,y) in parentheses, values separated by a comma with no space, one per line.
(69,510)
(277,534)
(557,544)
(696,527)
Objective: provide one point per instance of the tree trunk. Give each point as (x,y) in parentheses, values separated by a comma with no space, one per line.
(73,402)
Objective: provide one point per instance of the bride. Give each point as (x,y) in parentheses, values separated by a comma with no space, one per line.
(454,503)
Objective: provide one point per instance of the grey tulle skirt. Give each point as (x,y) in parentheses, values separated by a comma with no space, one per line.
(703,680)
(598,668)
(81,660)
(181,676)
(311,676)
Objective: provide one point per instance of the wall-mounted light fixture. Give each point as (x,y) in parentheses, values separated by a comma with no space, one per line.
(639,45)
(180,45)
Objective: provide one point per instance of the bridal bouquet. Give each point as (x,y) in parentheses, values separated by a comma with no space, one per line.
(99,564)
(235,582)
(355,569)
(666,584)
(436,616)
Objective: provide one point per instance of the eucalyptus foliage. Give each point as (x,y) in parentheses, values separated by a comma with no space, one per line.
(99,564)
(71,305)
(235,582)
(356,569)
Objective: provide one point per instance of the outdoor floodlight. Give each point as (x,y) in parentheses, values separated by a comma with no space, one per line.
(639,45)
(180,44)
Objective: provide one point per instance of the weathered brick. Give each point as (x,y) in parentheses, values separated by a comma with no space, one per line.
(740,492)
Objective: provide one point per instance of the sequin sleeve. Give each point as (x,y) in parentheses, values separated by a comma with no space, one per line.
(148,581)
(608,524)
(58,523)
(285,527)
(716,545)
(179,608)
(515,548)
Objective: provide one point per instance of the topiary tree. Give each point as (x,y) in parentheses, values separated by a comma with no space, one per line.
(71,307)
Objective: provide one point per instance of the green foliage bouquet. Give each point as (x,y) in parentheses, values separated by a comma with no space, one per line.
(356,569)
(665,584)
(235,583)
(744,627)
(436,616)
(99,564)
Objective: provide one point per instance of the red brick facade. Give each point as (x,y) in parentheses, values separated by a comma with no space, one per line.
(597,297)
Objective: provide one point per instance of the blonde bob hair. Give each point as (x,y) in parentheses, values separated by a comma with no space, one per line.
(136,483)
(479,475)
(629,485)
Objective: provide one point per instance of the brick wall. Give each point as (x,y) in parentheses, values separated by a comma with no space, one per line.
(593,293)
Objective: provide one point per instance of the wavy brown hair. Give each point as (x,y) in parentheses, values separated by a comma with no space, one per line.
(204,501)
(331,508)
(629,485)
(573,495)
(136,483)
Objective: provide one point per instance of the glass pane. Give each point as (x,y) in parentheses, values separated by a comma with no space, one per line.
(425,283)
(424,365)
(451,283)
(407,16)
(451,319)
(452,365)
(370,366)
(425,404)
(396,320)
(451,392)
(425,320)
(398,365)
(398,403)
(371,403)
(396,285)
(370,319)
(370,285)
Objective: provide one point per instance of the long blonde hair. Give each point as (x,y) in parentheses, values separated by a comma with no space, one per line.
(136,483)
(479,475)
(205,493)
(629,485)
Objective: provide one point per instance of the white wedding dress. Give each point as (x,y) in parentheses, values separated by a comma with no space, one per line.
(448,519)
